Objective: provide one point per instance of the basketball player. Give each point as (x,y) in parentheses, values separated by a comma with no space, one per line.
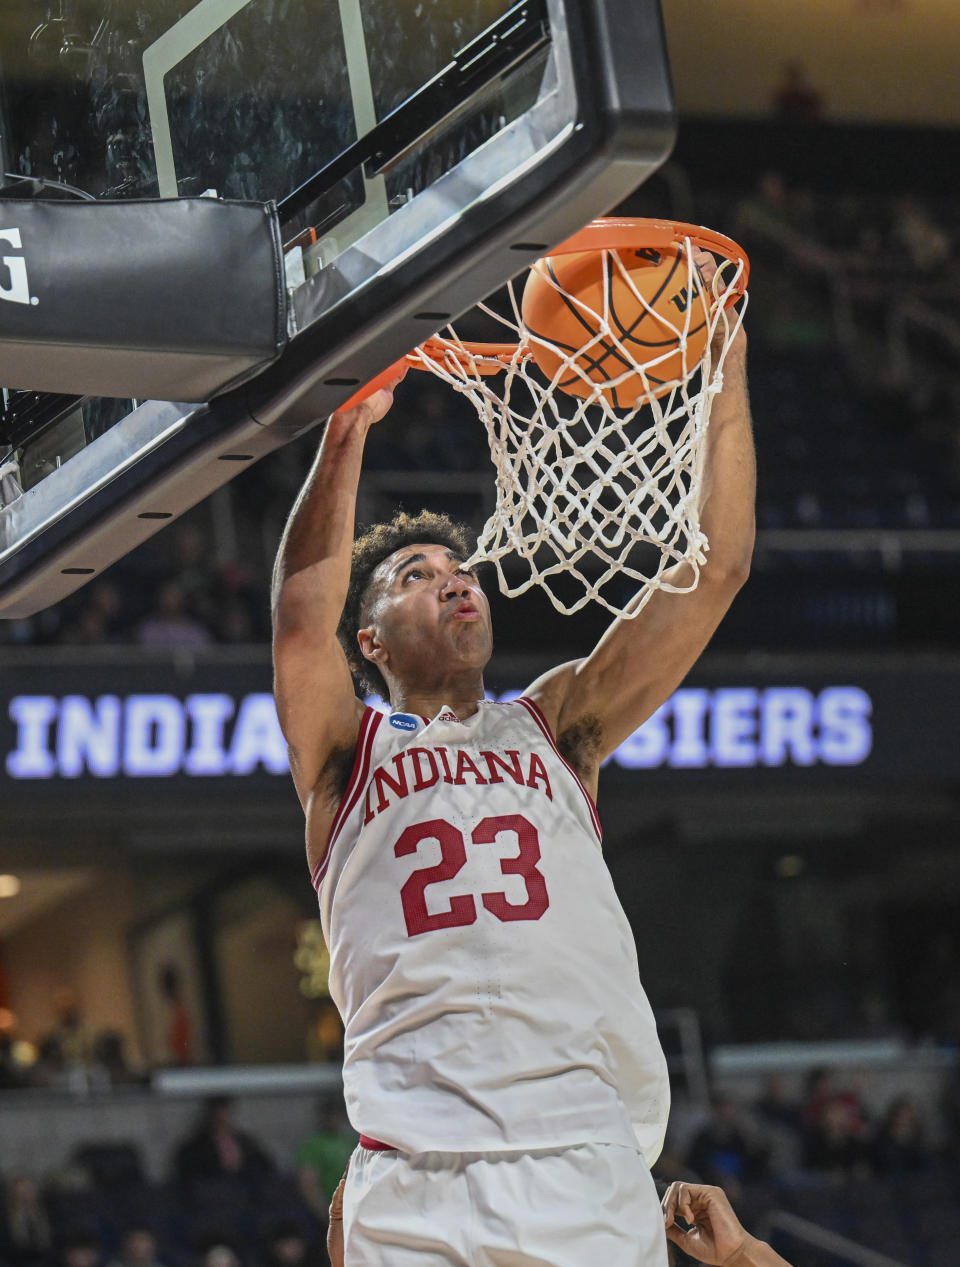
(501,1061)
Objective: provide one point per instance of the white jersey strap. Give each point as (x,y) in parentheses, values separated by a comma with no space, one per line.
(541,721)
(369,724)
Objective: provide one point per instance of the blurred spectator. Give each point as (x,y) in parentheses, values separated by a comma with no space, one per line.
(71,1031)
(26,1239)
(80,1248)
(219,1253)
(193,569)
(322,1157)
(927,243)
(775,226)
(110,1059)
(218,1149)
(950,1108)
(179,1039)
(777,1106)
(818,1091)
(98,621)
(49,1069)
(235,622)
(169,626)
(286,1244)
(11,1073)
(899,1146)
(836,1141)
(821,1097)
(138,1248)
(794,97)
(727,1151)
(109,1166)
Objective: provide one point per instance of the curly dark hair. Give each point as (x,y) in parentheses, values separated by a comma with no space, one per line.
(369,550)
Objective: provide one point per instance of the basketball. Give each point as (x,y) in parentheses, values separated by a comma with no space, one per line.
(639,335)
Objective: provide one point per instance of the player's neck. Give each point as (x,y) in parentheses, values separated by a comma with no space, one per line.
(460,693)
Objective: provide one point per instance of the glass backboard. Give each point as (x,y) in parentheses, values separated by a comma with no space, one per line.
(419,155)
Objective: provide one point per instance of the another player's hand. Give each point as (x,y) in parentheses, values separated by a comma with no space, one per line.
(335,1225)
(376,405)
(716,1235)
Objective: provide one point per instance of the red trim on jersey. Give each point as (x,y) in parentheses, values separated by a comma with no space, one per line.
(369,724)
(376,1145)
(541,721)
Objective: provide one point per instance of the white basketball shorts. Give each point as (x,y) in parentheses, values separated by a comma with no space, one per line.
(590,1206)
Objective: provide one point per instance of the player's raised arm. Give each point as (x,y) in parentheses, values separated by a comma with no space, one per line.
(638,663)
(318,710)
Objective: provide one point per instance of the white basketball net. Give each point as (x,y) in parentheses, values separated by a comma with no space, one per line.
(581,487)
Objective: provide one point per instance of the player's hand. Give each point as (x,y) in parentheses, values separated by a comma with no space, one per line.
(706,265)
(373,407)
(716,1236)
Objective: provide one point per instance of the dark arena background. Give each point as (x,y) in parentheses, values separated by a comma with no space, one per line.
(784,833)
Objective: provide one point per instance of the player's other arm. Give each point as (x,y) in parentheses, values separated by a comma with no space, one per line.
(638,663)
(713,1234)
(318,709)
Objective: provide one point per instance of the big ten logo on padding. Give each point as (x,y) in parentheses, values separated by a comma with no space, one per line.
(18,290)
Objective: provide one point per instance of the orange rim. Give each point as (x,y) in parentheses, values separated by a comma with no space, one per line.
(611,233)
(482,358)
(616,233)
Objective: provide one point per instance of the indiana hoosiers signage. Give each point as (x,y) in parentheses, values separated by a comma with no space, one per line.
(145,736)
(745,727)
(214,734)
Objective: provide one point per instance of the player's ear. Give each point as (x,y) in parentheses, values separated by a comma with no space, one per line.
(371,648)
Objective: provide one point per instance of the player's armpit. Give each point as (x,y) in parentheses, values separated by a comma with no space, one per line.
(635,667)
(639,663)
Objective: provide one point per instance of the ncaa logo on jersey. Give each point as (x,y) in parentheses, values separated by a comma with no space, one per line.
(404,721)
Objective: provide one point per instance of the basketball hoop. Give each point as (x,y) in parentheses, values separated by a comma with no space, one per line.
(597,427)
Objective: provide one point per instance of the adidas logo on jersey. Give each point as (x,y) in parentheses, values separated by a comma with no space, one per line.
(17,291)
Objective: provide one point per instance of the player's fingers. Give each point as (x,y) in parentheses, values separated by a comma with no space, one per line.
(385,381)
(395,379)
(379,404)
(669,1204)
(706,266)
(685,1204)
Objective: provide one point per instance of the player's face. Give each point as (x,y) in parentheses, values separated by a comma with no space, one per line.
(430,615)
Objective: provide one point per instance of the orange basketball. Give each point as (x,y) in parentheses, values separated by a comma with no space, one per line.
(645,335)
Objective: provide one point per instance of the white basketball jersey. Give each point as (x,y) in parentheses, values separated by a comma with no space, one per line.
(483,966)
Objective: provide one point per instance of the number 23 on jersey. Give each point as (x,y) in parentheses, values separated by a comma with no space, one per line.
(453,857)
